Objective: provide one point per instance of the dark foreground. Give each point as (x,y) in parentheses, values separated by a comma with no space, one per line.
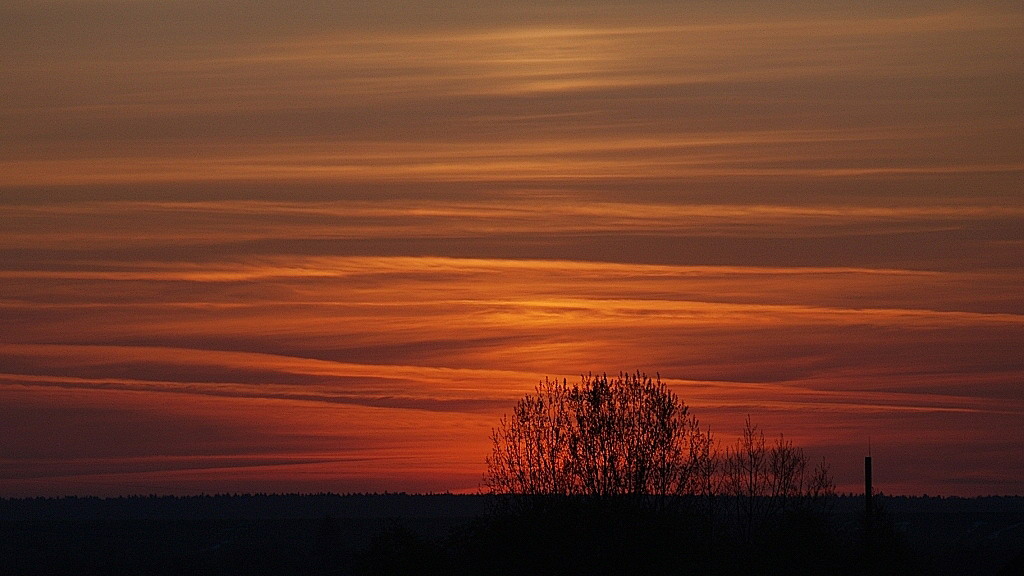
(448,534)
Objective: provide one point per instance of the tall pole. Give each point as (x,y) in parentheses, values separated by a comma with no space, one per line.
(867,488)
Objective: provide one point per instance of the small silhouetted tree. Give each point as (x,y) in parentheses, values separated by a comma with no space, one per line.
(628,435)
(767,481)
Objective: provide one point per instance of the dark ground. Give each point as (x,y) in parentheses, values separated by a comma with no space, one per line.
(423,534)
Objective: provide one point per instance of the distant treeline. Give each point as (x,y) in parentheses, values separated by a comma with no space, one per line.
(387,505)
(245,507)
(477,534)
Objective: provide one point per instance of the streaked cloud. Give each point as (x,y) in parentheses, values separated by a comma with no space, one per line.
(341,105)
(294,246)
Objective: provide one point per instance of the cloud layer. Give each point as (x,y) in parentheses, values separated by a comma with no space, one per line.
(310,248)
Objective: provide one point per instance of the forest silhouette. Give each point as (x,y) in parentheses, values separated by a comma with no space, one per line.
(478,534)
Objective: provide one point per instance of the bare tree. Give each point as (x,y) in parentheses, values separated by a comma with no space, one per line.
(628,435)
(531,447)
(766,481)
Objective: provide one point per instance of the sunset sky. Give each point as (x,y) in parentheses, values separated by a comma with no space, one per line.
(288,246)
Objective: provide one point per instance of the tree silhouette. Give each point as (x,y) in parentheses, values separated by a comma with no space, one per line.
(628,435)
(769,481)
(609,466)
